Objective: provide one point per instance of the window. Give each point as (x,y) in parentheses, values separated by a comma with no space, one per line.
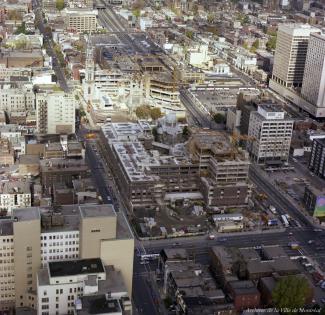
(95,231)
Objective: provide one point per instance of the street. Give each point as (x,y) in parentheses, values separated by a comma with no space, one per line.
(61,79)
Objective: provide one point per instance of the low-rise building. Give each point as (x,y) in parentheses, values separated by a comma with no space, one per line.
(14,194)
(244,294)
(62,171)
(63,285)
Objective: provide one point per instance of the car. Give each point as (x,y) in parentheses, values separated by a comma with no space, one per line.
(290,233)
(323,300)
(311,241)
(176,244)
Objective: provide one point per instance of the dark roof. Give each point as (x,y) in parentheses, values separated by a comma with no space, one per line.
(100,304)
(75,267)
(243,287)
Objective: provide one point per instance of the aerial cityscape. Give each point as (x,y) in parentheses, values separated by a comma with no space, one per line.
(162,157)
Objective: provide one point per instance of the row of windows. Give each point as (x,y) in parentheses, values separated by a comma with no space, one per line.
(60,236)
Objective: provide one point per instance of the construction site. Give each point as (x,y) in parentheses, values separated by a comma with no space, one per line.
(180,184)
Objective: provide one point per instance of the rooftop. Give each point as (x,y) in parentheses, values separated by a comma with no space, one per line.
(6,226)
(92,211)
(15,187)
(75,267)
(98,304)
(26,214)
(243,287)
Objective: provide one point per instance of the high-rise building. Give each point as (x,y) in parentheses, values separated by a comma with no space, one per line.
(290,54)
(34,237)
(55,113)
(317,157)
(271,132)
(313,86)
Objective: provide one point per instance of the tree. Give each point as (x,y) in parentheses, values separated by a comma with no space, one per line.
(143,111)
(185,132)
(291,292)
(219,118)
(21,29)
(155,133)
(155,113)
(271,43)
(245,20)
(245,45)
(256,44)
(210,17)
(59,4)
(189,34)
(136,13)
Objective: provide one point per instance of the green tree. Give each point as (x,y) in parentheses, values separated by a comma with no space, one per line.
(59,4)
(245,45)
(256,44)
(219,118)
(186,132)
(210,17)
(189,34)
(155,133)
(271,43)
(21,29)
(291,292)
(143,112)
(136,13)
(245,20)
(155,113)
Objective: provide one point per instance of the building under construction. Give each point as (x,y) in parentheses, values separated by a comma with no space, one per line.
(209,167)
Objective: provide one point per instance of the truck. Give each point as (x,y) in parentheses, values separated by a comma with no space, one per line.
(272,222)
(273,209)
(284,220)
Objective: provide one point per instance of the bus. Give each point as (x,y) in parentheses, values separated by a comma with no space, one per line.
(284,220)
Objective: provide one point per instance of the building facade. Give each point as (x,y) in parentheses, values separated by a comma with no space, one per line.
(270,131)
(36,236)
(317,158)
(290,54)
(314,76)
(81,20)
(14,195)
(55,113)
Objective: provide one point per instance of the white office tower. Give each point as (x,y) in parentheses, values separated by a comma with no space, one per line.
(55,113)
(313,86)
(271,131)
(290,54)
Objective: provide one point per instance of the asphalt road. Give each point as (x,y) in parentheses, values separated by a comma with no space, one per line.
(61,79)
(276,198)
